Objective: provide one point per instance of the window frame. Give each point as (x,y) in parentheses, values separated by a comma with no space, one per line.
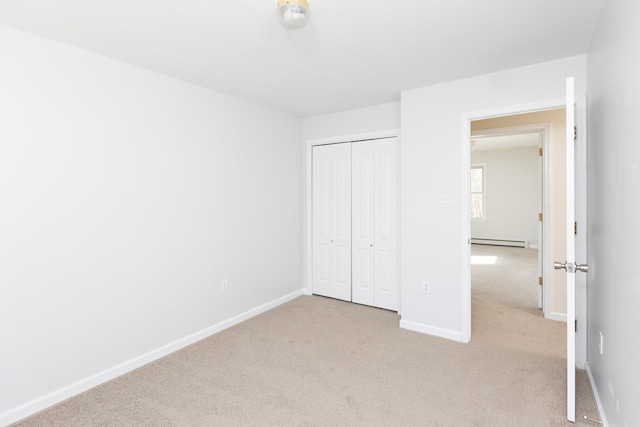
(483,167)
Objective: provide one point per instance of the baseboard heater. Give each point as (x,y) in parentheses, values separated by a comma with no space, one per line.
(500,242)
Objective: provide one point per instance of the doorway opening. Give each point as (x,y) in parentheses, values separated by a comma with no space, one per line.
(518,217)
(548,125)
(506,205)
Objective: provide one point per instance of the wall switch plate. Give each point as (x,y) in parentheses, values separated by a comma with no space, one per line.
(447,201)
(224,285)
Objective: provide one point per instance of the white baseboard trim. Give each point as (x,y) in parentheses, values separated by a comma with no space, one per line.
(534,247)
(431,330)
(560,317)
(596,395)
(306,291)
(43,402)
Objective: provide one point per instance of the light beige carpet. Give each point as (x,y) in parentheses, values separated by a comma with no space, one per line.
(509,277)
(320,362)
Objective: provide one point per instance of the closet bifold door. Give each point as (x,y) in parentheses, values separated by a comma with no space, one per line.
(375,223)
(331,206)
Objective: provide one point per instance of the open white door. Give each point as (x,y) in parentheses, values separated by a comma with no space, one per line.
(581,231)
(571,256)
(570,265)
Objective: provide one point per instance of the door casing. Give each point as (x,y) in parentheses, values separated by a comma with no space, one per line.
(466,119)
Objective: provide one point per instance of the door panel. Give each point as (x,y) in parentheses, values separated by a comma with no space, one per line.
(342,194)
(363,191)
(340,259)
(386,223)
(375,223)
(321,220)
(323,262)
(322,189)
(331,208)
(385,165)
(383,271)
(364,272)
(363,194)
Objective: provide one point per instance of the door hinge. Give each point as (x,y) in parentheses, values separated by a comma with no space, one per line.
(575,132)
(540,280)
(575,228)
(540,217)
(576,326)
(540,151)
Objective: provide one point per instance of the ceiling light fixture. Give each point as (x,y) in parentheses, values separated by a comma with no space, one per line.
(293,14)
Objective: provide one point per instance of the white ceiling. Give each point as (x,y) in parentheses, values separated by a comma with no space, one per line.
(353,53)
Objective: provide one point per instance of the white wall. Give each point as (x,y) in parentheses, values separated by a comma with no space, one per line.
(126,197)
(360,120)
(431,160)
(512,194)
(613,66)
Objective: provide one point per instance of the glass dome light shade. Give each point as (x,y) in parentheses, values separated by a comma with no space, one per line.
(293,14)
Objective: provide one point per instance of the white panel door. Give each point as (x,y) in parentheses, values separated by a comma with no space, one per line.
(570,265)
(363,223)
(332,221)
(571,256)
(581,232)
(375,230)
(386,224)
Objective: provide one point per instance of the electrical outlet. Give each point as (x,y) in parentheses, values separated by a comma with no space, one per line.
(426,287)
(224,285)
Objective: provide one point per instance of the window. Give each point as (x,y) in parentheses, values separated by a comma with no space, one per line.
(477,192)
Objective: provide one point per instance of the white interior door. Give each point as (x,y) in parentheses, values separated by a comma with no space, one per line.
(331,206)
(569,265)
(363,222)
(581,231)
(576,249)
(571,256)
(375,265)
(385,204)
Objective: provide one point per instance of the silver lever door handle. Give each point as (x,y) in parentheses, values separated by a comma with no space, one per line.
(560,265)
(582,267)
